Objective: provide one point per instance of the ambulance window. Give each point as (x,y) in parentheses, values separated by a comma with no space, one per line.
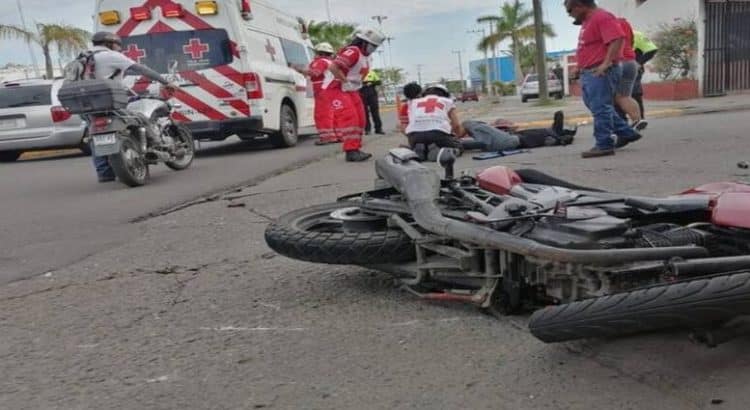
(176,51)
(294,52)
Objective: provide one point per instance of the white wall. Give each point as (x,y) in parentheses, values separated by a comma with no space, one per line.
(649,15)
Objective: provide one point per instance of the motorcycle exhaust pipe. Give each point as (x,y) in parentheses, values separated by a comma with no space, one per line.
(155,156)
(708,266)
(421,187)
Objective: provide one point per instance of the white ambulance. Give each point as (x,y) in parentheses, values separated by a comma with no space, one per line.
(231,59)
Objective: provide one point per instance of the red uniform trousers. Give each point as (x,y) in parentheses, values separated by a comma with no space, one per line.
(325,115)
(349,119)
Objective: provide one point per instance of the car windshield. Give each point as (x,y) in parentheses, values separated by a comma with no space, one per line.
(19,96)
(177,51)
(532,78)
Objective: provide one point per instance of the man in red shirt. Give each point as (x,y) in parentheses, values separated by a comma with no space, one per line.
(351,66)
(624,98)
(325,88)
(599,53)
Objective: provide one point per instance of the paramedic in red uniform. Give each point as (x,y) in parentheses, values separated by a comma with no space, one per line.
(350,66)
(599,53)
(325,89)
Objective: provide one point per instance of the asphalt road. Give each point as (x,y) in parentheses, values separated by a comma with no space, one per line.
(53,212)
(199,313)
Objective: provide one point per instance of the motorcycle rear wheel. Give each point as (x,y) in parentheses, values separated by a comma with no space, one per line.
(130,165)
(310,234)
(695,304)
(183,140)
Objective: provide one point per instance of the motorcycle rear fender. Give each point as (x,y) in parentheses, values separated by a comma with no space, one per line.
(114,124)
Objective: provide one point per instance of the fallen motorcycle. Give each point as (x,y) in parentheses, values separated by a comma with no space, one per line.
(598,264)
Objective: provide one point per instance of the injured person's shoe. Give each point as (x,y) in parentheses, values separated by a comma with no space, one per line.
(357,156)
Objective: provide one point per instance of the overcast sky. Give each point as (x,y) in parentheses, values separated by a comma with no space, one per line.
(425,31)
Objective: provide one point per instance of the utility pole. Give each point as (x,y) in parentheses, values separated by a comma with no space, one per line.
(28,44)
(486,59)
(379,19)
(494,60)
(541,52)
(390,49)
(419,73)
(460,69)
(328,9)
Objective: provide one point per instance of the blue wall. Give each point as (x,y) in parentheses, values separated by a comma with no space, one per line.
(501,68)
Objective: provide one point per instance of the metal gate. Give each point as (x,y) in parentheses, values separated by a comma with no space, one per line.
(727,52)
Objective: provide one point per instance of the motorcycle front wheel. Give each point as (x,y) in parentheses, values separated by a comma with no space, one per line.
(183,140)
(129,164)
(316,234)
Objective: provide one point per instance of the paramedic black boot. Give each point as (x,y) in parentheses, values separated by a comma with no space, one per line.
(357,156)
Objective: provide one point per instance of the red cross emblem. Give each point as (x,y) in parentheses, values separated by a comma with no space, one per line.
(270,49)
(430,105)
(134,53)
(195,48)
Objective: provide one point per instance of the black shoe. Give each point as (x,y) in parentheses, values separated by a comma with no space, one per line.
(379,132)
(367,132)
(640,125)
(621,141)
(357,156)
(597,152)
(558,123)
(106,179)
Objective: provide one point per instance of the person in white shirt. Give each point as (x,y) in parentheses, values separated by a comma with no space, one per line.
(433,119)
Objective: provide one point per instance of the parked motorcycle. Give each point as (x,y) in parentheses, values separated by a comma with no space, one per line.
(598,264)
(133,131)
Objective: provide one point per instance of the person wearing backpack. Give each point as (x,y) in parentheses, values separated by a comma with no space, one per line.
(106,61)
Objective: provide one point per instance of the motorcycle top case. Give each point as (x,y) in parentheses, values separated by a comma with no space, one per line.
(89,96)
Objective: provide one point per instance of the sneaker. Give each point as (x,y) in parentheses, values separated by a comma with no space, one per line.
(106,179)
(357,156)
(621,141)
(640,125)
(380,132)
(597,152)
(558,123)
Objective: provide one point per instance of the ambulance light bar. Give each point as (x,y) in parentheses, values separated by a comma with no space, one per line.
(206,8)
(172,10)
(109,18)
(140,13)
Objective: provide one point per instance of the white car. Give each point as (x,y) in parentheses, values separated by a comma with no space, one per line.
(530,87)
(31,118)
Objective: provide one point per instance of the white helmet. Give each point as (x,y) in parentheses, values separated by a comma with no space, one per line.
(370,35)
(324,48)
(440,87)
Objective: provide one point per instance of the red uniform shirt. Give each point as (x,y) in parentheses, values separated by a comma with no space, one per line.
(628,54)
(354,65)
(403,113)
(321,78)
(597,32)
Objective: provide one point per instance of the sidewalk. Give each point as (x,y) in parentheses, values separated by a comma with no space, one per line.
(531,115)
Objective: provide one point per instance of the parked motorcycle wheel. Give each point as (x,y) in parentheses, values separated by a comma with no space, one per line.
(183,140)
(311,234)
(129,165)
(692,304)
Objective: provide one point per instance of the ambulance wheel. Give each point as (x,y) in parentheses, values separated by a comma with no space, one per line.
(287,135)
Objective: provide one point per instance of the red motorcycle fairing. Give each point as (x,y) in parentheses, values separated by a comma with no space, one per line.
(499,180)
(730,204)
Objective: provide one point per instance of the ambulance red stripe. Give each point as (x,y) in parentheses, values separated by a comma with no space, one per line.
(216,91)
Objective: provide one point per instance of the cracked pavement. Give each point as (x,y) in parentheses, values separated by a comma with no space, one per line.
(199,313)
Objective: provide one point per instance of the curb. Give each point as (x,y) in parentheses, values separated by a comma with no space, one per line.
(664,113)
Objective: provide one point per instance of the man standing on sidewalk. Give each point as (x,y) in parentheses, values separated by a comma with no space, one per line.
(599,52)
(369,94)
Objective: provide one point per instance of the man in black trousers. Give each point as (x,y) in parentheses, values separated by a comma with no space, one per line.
(369,94)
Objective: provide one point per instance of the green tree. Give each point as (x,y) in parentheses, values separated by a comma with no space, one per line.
(67,39)
(515,23)
(338,34)
(677,44)
(391,75)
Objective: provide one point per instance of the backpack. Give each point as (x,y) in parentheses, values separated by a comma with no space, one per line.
(82,68)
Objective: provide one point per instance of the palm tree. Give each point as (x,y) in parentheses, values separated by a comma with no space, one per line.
(338,34)
(515,23)
(65,38)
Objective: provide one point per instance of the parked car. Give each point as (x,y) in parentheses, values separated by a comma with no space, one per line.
(470,95)
(31,118)
(530,87)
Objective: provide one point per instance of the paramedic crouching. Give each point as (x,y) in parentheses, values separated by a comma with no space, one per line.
(433,119)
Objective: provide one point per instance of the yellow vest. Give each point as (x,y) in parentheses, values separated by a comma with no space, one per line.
(642,43)
(372,77)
